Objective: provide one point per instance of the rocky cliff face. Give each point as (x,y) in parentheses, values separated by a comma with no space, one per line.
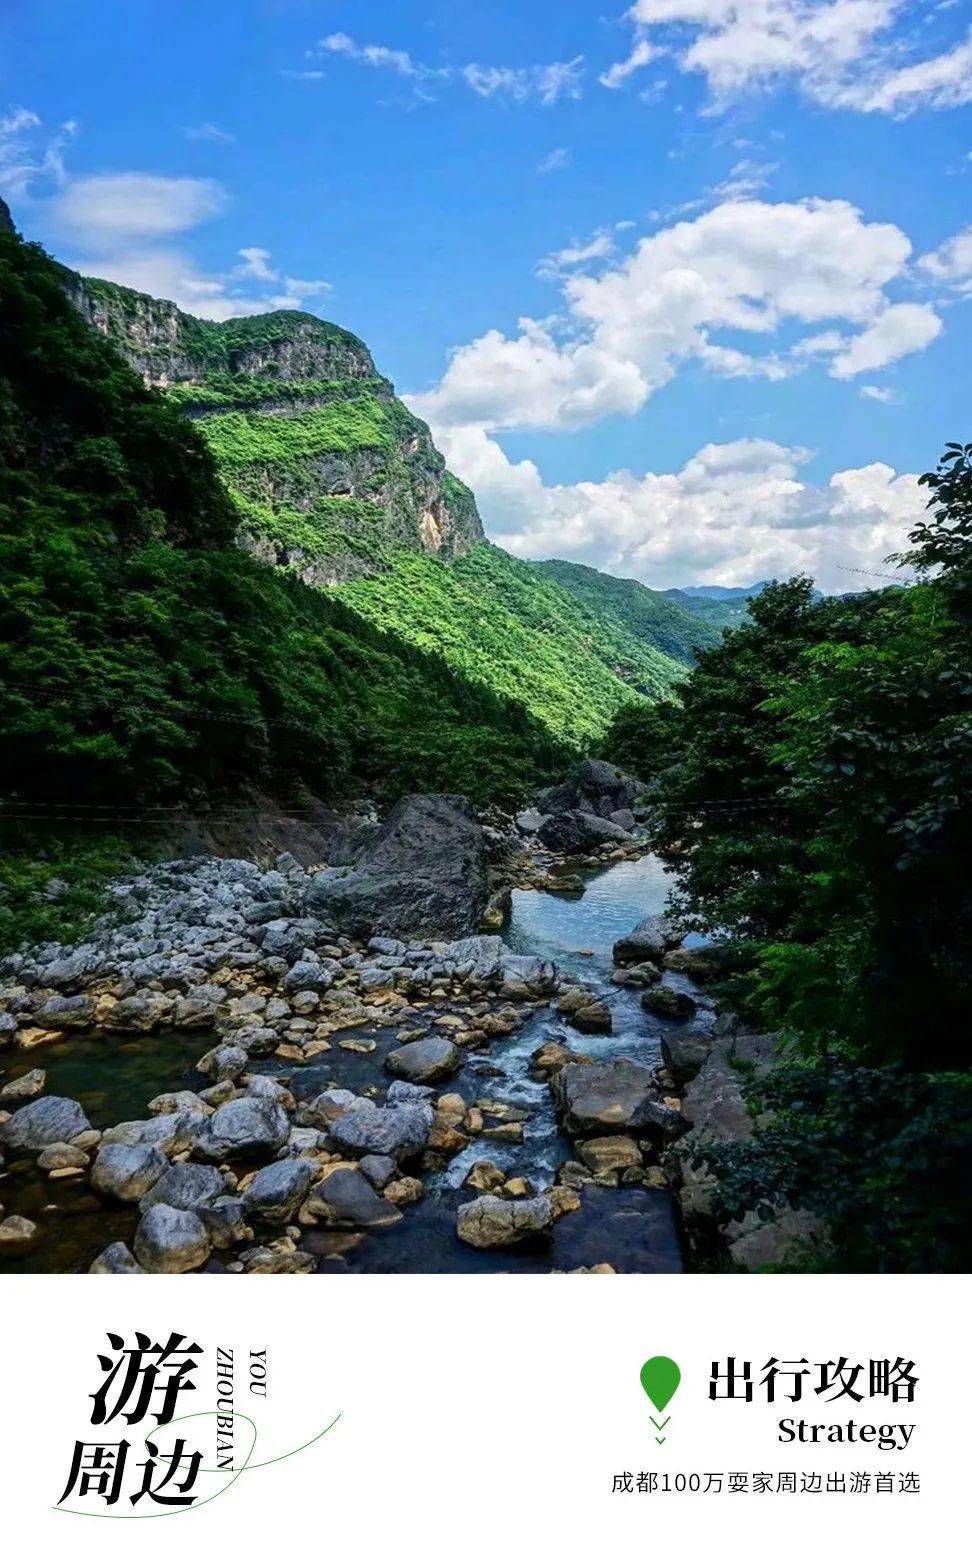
(328,469)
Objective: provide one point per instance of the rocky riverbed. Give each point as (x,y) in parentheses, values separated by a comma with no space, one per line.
(224,1079)
(271,1070)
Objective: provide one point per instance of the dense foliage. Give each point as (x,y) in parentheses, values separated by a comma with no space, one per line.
(507,625)
(143,656)
(658,619)
(812,777)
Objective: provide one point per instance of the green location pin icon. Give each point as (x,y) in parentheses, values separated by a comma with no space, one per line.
(660,1378)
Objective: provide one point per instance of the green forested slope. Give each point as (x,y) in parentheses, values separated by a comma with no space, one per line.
(657,619)
(144,655)
(332,478)
(505,624)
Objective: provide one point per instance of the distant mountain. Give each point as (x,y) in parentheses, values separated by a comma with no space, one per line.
(670,623)
(718,591)
(717,606)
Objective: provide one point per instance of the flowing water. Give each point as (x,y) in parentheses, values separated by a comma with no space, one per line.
(632,1228)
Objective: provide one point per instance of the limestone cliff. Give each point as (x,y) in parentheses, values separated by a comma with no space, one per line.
(328,469)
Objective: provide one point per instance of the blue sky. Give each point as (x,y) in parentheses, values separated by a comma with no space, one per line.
(736,230)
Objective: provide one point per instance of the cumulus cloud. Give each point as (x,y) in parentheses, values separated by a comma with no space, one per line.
(733,513)
(745,266)
(842,53)
(111,207)
(951,264)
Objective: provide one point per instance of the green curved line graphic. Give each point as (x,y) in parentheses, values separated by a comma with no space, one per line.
(245,1467)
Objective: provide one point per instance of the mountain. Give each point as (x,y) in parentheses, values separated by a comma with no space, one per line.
(325,466)
(146,658)
(713,604)
(332,478)
(667,622)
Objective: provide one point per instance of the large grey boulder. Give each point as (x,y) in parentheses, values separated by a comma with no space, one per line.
(170,1132)
(247,1126)
(493,1222)
(399,1131)
(598,787)
(127,1172)
(72,1013)
(424,874)
(277,1190)
(50,1120)
(647,941)
(578,831)
(171,1241)
(346,1198)
(185,1185)
(424,1062)
(139,1012)
(614,1098)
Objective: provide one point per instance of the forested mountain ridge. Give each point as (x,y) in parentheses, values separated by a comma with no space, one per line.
(146,657)
(332,478)
(324,464)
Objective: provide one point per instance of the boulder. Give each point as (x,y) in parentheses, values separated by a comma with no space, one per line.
(346,1198)
(703,964)
(578,831)
(139,1012)
(170,1132)
(424,873)
(400,1131)
(185,1185)
(598,787)
(610,1153)
(594,1018)
(225,1220)
(25,1088)
(16,1231)
(127,1171)
(116,1259)
(613,1098)
(73,1013)
(247,1126)
(424,1062)
(277,1190)
(685,1049)
(171,1241)
(493,1222)
(379,1169)
(51,1120)
(669,1002)
(647,941)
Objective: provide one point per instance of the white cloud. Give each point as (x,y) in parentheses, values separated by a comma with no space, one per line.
(746,266)
(952,262)
(735,512)
(873,391)
(555,160)
(251,287)
(123,207)
(544,83)
(29,160)
(898,331)
(944,81)
(643,53)
(375,54)
(210,132)
(842,53)
(599,246)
